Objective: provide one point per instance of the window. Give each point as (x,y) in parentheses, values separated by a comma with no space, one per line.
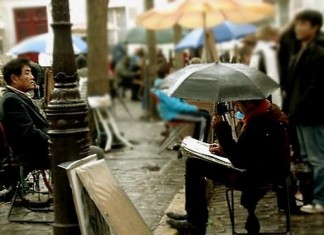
(30,21)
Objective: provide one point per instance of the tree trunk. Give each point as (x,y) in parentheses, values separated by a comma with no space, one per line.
(150,68)
(178,60)
(97,38)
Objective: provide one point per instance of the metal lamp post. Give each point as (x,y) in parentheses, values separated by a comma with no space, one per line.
(67,116)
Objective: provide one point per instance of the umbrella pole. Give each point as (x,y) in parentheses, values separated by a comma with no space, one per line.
(205,37)
(211,45)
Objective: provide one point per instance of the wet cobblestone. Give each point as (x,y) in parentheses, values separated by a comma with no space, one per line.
(154,183)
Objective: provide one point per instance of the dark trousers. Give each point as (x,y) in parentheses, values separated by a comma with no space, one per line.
(195,187)
(197,171)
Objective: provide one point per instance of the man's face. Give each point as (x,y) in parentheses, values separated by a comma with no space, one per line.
(304,30)
(24,82)
(240,106)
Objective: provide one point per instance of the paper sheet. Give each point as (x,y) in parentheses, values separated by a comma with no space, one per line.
(195,148)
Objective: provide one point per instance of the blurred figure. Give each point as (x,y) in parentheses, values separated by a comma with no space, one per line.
(246,50)
(39,75)
(161,59)
(119,51)
(245,53)
(173,108)
(82,65)
(288,45)
(264,57)
(303,100)
(126,78)
(225,57)
(137,65)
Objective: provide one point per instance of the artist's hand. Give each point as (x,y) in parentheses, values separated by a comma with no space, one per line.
(215,120)
(216,149)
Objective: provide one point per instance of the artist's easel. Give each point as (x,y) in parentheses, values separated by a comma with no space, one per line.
(49,84)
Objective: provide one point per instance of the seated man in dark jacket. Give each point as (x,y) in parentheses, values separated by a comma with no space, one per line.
(262,149)
(26,127)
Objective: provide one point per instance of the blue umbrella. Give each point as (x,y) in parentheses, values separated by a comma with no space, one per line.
(43,43)
(223,32)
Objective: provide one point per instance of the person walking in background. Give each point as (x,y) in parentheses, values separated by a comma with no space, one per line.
(288,45)
(303,100)
(264,57)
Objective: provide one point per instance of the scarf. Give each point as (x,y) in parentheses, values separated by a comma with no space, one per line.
(262,107)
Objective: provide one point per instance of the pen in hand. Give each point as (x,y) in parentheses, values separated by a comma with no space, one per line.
(216,149)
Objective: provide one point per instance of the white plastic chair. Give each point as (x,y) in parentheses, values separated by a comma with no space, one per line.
(100,106)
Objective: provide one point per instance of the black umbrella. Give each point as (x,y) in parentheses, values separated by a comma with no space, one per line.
(219,82)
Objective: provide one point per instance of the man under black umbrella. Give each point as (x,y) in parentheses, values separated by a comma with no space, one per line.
(262,149)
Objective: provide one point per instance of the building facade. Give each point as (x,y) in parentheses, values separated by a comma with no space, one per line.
(22,18)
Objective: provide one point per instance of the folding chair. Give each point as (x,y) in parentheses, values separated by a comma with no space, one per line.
(176,128)
(283,187)
(35,183)
(104,119)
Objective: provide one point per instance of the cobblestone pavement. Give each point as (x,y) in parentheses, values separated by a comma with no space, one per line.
(150,180)
(154,183)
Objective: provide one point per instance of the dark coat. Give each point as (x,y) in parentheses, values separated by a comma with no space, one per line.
(262,148)
(304,86)
(124,75)
(26,128)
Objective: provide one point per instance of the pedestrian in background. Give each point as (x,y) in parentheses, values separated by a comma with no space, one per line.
(303,100)
(265,59)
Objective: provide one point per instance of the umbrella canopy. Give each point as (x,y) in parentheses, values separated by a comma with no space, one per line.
(219,82)
(223,32)
(204,13)
(137,35)
(43,43)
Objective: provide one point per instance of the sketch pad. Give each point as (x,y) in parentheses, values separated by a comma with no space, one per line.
(198,149)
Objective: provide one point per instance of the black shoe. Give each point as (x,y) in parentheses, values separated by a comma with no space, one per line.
(252,225)
(176,216)
(185,227)
(176,147)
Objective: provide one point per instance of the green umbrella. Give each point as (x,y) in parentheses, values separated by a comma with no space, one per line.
(137,35)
